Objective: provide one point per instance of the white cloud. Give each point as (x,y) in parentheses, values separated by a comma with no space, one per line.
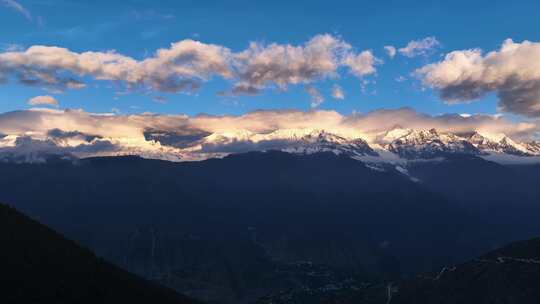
(182,67)
(362,64)
(18,7)
(316,97)
(390,51)
(512,72)
(39,122)
(43,100)
(281,65)
(419,47)
(187,64)
(337,92)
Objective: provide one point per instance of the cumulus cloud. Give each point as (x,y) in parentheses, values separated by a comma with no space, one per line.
(512,72)
(43,100)
(362,64)
(17,7)
(337,92)
(281,65)
(284,64)
(187,64)
(182,67)
(419,47)
(390,51)
(316,97)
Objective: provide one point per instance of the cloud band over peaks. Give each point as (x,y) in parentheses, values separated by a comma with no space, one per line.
(181,137)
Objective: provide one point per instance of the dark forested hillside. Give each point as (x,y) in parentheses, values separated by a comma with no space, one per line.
(38,265)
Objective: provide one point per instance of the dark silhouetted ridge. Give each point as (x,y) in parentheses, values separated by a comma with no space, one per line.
(39,265)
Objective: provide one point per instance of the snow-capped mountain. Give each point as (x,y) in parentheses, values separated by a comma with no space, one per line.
(300,141)
(412,144)
(401,143)
(533,146)
(313,141)
(391,146)
(501,144)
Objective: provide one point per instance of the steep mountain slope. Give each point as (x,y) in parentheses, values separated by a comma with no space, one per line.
(38,265)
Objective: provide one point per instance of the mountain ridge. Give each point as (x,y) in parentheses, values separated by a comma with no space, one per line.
(397,145)
(40,266)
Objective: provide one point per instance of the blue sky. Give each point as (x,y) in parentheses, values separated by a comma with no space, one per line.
(138,28)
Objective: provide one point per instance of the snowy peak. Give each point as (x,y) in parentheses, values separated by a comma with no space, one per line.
(301,141)
(410,144)
(391,146)
(500,143)
(302,135)
(328,142)
(534,147)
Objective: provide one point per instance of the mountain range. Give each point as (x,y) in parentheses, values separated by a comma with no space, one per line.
(397,145)
(236,216)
